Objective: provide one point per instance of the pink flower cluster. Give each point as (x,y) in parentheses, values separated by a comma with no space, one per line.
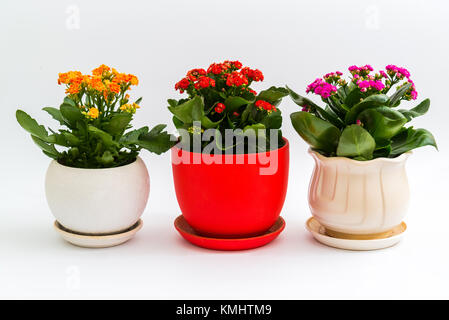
(336,74)
(322,88)
(402,73)
(365,85)
(413,93)
(365,69)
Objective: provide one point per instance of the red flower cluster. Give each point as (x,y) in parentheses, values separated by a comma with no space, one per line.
(230,72)
(198,78)
(261,104)
(255,75)
(182,85)
(204,82)
(236,79)
(219,108)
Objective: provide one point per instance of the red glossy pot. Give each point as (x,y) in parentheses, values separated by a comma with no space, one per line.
(244,198)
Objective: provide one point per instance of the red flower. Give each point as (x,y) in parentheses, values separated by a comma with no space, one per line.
(236,78)
(205,82)
(237,64)
(252,91)
(215,68)
(255,75)
(219,108)
(182,85)
(261,104)
(236,114)
(193,74)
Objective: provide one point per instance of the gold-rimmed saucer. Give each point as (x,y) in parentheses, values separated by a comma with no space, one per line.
(354,242)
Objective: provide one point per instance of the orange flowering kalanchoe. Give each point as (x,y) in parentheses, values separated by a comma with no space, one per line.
(105,82)
(96,116)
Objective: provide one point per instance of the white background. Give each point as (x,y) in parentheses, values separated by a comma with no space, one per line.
(292,42)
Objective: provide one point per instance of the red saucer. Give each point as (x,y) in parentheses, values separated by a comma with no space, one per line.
(228,244)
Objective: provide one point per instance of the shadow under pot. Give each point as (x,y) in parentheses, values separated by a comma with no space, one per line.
(359,200)
(97,207)
(231,196)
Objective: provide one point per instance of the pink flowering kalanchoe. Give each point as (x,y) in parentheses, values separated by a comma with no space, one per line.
(361,119)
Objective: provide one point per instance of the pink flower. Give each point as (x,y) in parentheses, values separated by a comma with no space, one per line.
(365,85)
(398,71)
(322,88)
(383,74)
(413,92)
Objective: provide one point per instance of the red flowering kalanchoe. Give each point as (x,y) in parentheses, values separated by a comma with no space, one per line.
(360,120)
(220,97)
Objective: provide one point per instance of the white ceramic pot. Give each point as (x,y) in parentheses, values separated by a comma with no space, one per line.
(359,197)
(97,201)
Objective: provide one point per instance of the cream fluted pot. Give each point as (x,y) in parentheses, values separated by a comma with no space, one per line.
(359,197)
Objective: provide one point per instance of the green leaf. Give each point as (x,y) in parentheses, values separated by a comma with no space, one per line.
(257,129)
(178,123)
(272,94)
(69,101)
(382,122)
(157,140)
(372,101)
(47,147)
(273,120)
(356,142)
(55,113)
(248,113)
(383,148)
(102,135)
(304,102)
(398,95)
(353,95)
(342,92)
(417,111)
(71,114)
(410,139)
(138,100)
(336,107)
(107,158)
(172,102)
(132,137)
(189,111)
(233,103)
(71,138)
(208,123)
(31,125)
(118,123)
(319,134)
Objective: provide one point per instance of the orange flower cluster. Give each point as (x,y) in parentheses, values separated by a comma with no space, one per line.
(104,80)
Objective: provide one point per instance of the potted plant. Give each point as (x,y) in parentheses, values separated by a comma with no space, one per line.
(97,187)
(360,142)
(230,167)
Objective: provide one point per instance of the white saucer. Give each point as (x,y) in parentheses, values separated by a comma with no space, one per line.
(319,233)
(98,241)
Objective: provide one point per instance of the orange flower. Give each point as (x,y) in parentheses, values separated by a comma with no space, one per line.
(69,77)
(100,70)
(97,84)
(114,87)
(134,81)
(123,78)
(74,88)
